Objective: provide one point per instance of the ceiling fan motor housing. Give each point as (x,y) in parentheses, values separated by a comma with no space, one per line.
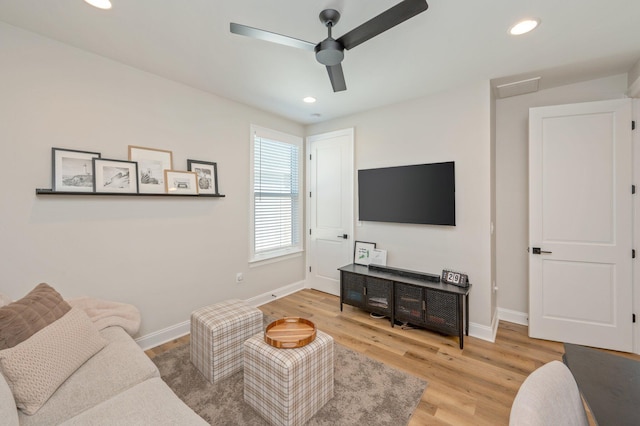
(329,52)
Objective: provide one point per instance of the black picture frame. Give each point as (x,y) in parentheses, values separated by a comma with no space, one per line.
(362,252)
(115,176)
(207,172)
(72,170)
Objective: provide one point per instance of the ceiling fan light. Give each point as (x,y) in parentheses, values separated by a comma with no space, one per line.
(100,4)
(524,26)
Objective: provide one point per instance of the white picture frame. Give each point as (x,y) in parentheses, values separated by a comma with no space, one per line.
(378,257)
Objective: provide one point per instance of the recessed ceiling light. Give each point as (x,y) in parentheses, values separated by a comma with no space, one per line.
(524,26)
(309,99)
(100,4)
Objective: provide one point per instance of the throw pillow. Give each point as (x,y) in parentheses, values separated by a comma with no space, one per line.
(23,318)
(35,368)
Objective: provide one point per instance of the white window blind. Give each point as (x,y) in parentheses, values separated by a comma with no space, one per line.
(276,194)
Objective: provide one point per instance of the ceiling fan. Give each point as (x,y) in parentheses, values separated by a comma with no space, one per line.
(330,52)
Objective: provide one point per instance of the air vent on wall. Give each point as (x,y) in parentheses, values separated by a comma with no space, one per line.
(518,87)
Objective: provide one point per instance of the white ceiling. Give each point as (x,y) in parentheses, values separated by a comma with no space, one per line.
(454,42)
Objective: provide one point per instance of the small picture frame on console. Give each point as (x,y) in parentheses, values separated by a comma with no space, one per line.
(378,257)
(363,252)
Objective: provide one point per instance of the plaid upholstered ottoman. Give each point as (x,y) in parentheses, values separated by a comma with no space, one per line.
(217,334)
(288,386)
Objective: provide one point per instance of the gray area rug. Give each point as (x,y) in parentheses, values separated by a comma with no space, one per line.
(366,392)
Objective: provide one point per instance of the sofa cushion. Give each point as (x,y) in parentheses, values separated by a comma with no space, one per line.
(151,402)
(25,317)
(35,368)
(117,367)
(8,412)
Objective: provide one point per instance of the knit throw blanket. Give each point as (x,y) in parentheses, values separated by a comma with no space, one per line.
(105,313)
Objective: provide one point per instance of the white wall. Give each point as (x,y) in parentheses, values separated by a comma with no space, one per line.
(512,182)
(448,126)
(166,256)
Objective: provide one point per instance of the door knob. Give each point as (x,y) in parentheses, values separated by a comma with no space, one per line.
(345,236)
(536,250)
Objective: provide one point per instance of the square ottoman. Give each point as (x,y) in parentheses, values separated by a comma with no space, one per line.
(288,386)
(217,334)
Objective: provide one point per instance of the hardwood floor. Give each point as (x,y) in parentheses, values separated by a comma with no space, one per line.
(473,386)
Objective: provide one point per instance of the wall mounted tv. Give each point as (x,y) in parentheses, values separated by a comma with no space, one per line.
(422,193)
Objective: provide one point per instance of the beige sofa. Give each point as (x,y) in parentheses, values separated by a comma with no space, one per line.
(118,385)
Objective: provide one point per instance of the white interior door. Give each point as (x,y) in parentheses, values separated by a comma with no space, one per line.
(330,208)
(580,217)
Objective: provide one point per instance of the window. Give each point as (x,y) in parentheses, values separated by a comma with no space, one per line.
(276,203)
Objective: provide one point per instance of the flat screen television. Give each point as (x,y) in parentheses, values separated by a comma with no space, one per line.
(422,194)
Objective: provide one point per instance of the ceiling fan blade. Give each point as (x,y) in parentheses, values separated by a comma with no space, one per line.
(337,78)
(381,23)
(272,37)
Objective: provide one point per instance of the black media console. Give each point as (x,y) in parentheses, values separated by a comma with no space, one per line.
(408,296)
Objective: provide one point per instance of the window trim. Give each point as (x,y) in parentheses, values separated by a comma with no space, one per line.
(281,253)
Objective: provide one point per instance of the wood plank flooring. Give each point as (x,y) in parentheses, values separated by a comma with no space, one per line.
(473,386)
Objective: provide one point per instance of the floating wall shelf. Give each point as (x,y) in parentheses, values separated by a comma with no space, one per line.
(46,191)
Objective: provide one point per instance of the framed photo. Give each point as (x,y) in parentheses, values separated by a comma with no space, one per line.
(207,175)
(151,166)
(363,252)
(115,176)
(178,182)
(72,170)
(378,257)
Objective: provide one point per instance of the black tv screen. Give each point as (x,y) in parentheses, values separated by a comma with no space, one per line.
(422,193)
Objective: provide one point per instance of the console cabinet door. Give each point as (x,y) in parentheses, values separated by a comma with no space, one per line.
(409,304)
(442,311)
(379,295)
(353,289)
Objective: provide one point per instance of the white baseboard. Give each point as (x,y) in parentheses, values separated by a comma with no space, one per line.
(263,298)
(516,317)
(165,335)
(483,332)
(170,333)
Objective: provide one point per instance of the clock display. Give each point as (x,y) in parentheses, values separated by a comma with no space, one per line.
(456,278)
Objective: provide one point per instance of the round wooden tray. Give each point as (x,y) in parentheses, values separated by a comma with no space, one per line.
(290,332)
